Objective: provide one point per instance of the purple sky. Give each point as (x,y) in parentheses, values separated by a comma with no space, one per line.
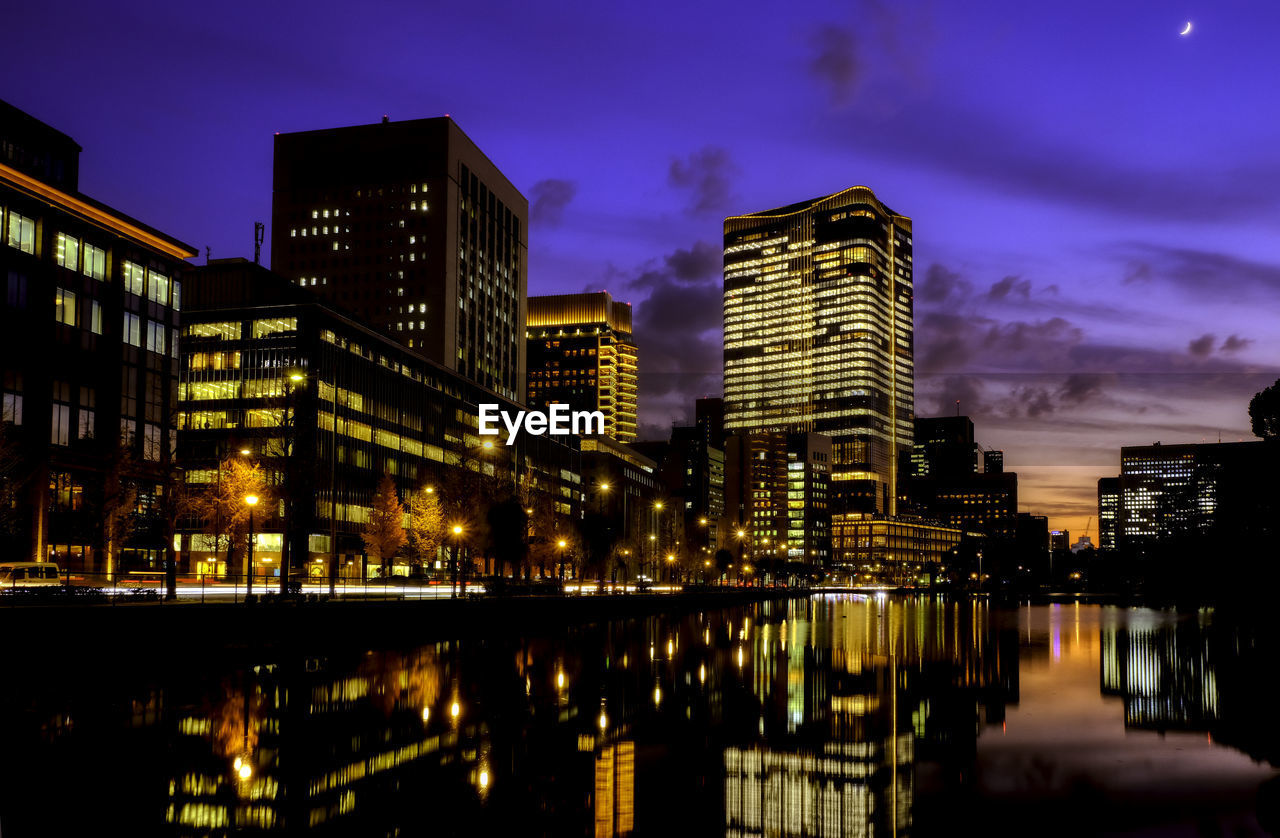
(1095,198)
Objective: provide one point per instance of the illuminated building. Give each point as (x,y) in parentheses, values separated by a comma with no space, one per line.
(581,354)
(621,484)
(363,405)
(818,334)
(942,480)
(88,359)
(692,472)
(776,491)
(411,228)
(870,548)
(1108,512)
(1179,494)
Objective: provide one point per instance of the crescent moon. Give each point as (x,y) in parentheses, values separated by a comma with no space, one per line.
(1186,31)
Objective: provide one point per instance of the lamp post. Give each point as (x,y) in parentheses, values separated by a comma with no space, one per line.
(742,534)
(251,501)
(290,442)
(457,542)
(561,544)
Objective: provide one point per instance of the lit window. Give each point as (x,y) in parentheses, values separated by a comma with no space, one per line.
(94,262)
(132,329)
(64,307)
(157,288)
(175,289)
(67,253)
(155,337)
(95,317)
(134,278)
(22,232)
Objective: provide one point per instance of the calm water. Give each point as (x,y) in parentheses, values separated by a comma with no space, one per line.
(833,716)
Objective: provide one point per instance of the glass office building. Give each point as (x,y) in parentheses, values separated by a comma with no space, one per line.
(818,334)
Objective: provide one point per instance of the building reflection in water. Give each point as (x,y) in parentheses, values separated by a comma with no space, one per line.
(830,716)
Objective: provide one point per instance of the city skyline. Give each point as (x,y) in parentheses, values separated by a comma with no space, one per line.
(1071,275)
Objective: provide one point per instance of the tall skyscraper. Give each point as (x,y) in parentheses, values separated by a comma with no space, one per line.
(818,334)
(581,354)
(411,228)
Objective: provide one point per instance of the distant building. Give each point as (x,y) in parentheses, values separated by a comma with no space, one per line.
(943,447)
(777,494)
(693,474)
(709,419)
(1083,543)
(409,226)
(88,358)
(1108,513)
(363,404)
(621,484)
(1060,541)
(875,549)
(942,480)
(581,353)
(1186,494)
(818,335)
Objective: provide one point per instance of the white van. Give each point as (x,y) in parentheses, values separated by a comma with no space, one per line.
(29,575)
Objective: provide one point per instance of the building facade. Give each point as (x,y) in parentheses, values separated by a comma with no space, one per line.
(411,228)
(874,549)
(1180,496)
(777,494)
(89,351)
(270,369)
(1108,512)
(581,353)
(818,334)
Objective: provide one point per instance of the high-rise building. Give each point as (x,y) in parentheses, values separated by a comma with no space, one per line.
(410,227)
(1108,512)
(581,354)
(88,359)
(818,334)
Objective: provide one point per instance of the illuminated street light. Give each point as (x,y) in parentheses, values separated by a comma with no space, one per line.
(252,501)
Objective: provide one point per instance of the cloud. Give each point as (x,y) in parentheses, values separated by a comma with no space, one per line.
(1235,343)
(707,176)
(941,284)
(549,198)
(1080,388)
(698,262)
(678,327)
(836,62)
(1004,155)
(1010,285)
(1202,346)
(1200,272)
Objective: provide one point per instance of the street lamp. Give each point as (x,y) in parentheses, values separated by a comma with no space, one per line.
(457,541)
(251,501)
(561,544)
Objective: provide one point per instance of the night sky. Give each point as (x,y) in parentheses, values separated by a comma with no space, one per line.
(1095,198)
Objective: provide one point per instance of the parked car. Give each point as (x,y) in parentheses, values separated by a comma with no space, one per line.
(29,575)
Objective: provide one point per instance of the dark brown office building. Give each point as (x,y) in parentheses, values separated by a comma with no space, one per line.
(88,361)
(411,228)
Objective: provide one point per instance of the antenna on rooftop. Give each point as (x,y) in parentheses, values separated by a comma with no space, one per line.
(259,233)
(957,407)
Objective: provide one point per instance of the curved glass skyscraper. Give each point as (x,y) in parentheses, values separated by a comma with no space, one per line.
(818,334)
